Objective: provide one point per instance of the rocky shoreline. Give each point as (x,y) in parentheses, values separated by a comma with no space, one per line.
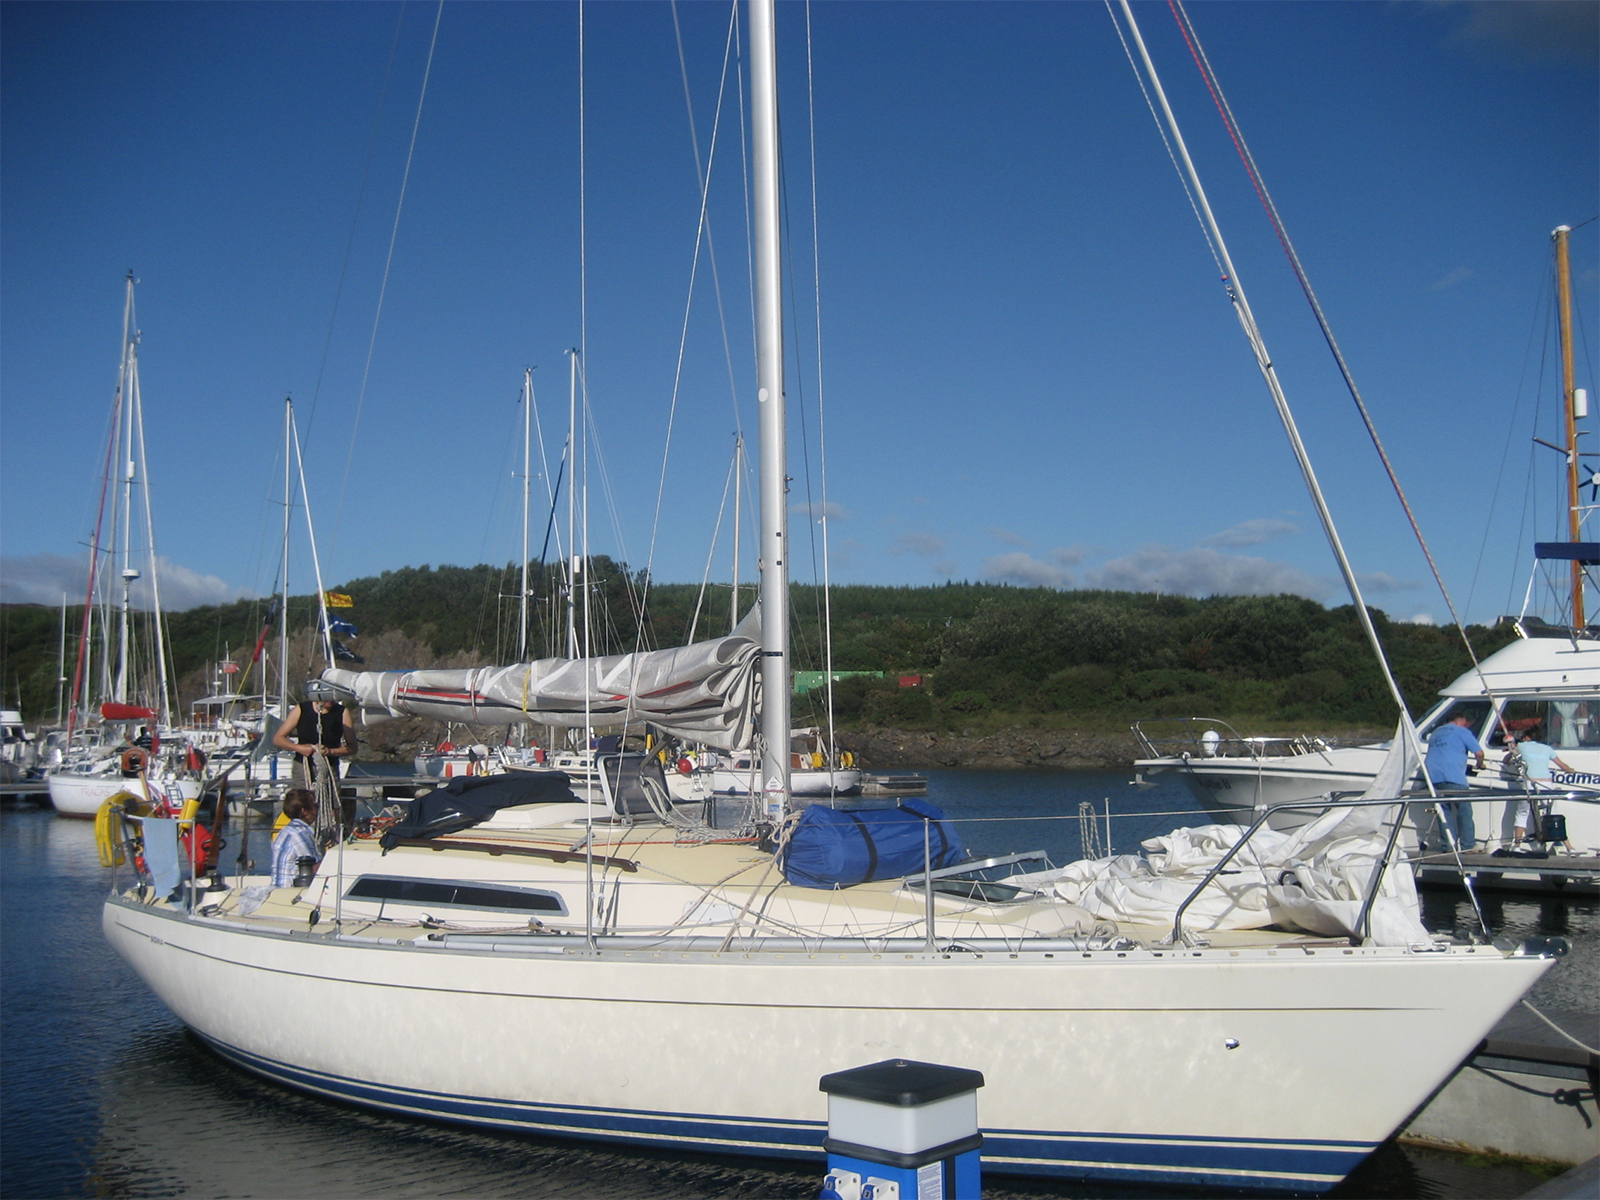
(1003,749)
(878,749)
(883,749)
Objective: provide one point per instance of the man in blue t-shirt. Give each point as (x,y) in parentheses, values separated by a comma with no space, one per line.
(1448,747)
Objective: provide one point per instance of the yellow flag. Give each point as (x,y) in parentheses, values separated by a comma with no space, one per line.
(338,600)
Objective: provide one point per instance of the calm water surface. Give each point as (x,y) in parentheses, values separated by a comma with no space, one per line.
(102,1093)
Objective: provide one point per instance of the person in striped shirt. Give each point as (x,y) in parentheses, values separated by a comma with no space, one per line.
(296,840)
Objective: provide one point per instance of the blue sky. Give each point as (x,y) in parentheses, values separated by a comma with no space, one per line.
(1030,372)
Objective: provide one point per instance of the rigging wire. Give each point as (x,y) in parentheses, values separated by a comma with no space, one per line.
(730,52)
(1505,456)
(702,237)
(822,425)
(388,263)
(1191,38)
(355,219)
(1236,298)
(716,535)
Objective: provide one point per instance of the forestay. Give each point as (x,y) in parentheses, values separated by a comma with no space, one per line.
(707,692)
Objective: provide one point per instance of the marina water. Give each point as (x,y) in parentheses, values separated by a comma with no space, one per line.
(104,1094)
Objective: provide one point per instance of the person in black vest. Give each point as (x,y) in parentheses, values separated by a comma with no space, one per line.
(319,724)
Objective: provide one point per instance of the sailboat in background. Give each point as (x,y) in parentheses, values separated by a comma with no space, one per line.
(645,977)
(119,727)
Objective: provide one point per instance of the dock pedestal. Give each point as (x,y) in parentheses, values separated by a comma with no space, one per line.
(903,1130)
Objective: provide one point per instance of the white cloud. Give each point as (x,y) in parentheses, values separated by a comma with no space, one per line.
(819,509)
(1459,275)
(41,578)
(1252,533)
(1050,571)
(1203,571)
(1006,536)
(917,543)
(1382,581)
(1422,619)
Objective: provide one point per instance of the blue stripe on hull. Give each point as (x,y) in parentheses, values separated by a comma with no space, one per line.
(1264,1164)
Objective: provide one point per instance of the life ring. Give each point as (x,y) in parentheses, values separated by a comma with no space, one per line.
(110,831)
(135,760)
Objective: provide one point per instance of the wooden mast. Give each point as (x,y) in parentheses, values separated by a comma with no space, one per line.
(1568,403)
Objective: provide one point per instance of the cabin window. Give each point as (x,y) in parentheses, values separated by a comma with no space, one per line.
(1564,724)
(1476,712)
(433,893)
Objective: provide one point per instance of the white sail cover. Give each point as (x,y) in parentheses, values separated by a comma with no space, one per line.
(1314,878)
(707,692)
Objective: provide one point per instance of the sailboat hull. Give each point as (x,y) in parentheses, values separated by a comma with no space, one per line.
(1106,1065)
(82,795)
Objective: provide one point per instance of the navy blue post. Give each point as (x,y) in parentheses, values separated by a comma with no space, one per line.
(903,1130)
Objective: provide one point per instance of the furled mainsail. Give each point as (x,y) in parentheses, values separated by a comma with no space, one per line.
(706,692)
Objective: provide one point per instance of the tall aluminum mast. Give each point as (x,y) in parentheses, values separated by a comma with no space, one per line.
(769,394)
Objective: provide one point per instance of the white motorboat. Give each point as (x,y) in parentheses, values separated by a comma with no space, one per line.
(1551,680)
(620,971)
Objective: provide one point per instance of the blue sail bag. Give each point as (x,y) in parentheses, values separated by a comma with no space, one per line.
(837,847)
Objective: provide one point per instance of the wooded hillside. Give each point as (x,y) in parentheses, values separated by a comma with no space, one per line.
(984,652)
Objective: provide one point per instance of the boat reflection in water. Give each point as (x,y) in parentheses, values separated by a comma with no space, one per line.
(176,1122)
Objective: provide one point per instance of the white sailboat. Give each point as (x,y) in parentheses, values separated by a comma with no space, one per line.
(611,971)
(133,690)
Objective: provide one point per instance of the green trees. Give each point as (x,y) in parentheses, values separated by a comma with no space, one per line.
(982,651)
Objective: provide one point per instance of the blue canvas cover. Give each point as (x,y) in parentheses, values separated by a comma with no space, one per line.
(837,847)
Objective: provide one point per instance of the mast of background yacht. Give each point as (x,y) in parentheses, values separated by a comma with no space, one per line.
(1570,402)
(283,627)
(527,462)
(125,466)
(769,394)
(163,697)
(61,664)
